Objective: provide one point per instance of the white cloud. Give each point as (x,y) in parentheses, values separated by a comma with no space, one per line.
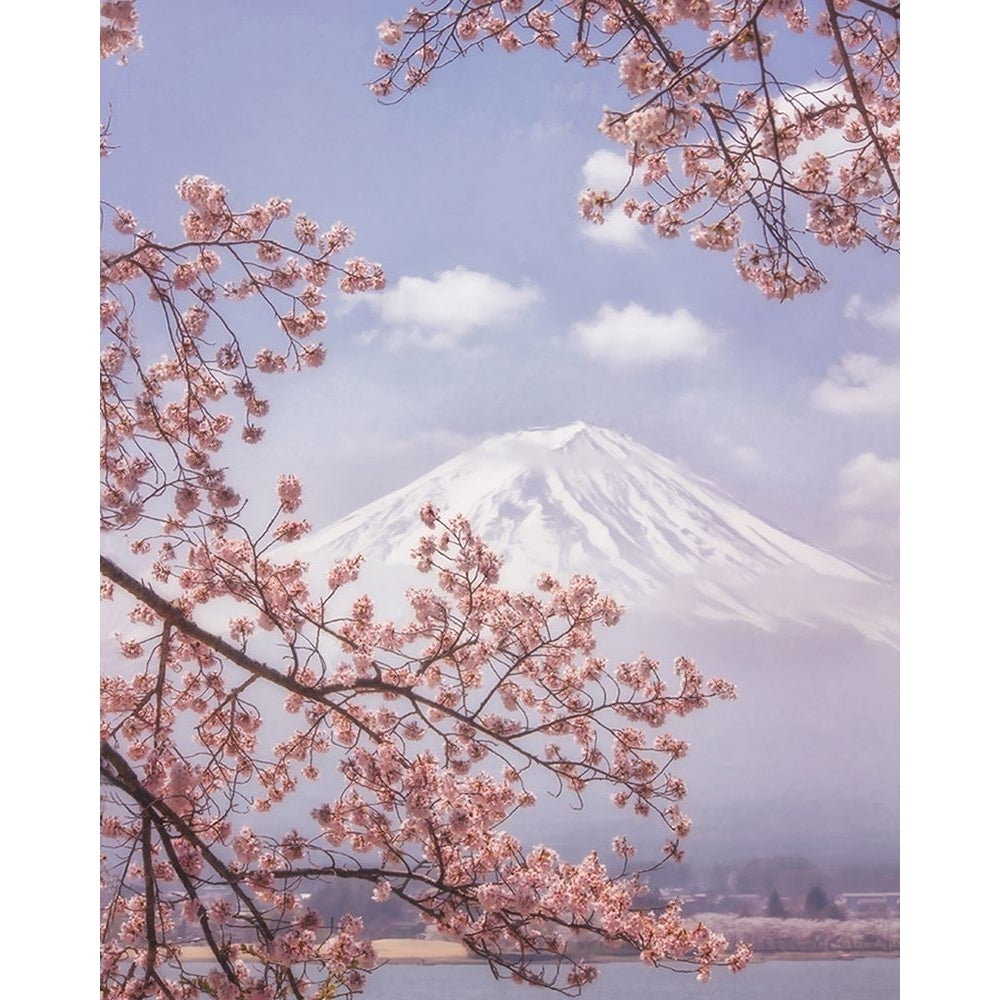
(859,384)
(634,335)
(868,496)
(747,456)
(870,484)
(438,313)
(881,315)
(605,170)
(617,230)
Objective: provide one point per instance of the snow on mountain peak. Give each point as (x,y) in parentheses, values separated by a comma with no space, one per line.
(583,499)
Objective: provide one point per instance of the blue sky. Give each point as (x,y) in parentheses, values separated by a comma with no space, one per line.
(503,309)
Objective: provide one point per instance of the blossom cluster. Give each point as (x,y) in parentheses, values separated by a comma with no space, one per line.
(719,153)
(119,28)
(429,737)
(162,422)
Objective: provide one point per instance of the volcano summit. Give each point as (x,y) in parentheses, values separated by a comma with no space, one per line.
(582,499)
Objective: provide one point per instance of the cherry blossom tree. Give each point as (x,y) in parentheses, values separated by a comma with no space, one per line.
(422,738)
(724,136)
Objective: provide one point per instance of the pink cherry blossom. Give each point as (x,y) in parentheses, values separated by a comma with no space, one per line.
(238,674)
(747,139)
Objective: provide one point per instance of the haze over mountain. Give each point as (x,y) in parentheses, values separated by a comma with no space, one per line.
(806,760)
(582,499)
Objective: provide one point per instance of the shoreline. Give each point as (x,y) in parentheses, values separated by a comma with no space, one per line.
(820,956)
(406,952)
(418,951)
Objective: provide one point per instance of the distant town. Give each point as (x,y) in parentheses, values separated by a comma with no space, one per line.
(779,905)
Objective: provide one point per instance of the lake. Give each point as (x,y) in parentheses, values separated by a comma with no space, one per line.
(858,979)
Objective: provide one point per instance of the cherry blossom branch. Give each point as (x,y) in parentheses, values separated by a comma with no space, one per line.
(859,99)
(175,617)
(679,106)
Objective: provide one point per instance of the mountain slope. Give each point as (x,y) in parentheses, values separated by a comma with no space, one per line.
(580,499)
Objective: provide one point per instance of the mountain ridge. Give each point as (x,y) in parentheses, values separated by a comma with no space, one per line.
(584,499)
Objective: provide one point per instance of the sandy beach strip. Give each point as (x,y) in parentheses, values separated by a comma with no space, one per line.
(417,951)
(414,950)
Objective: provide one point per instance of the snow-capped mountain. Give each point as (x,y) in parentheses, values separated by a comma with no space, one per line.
(582,499)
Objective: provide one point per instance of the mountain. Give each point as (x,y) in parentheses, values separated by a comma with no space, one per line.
(582,499)
(806,761)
